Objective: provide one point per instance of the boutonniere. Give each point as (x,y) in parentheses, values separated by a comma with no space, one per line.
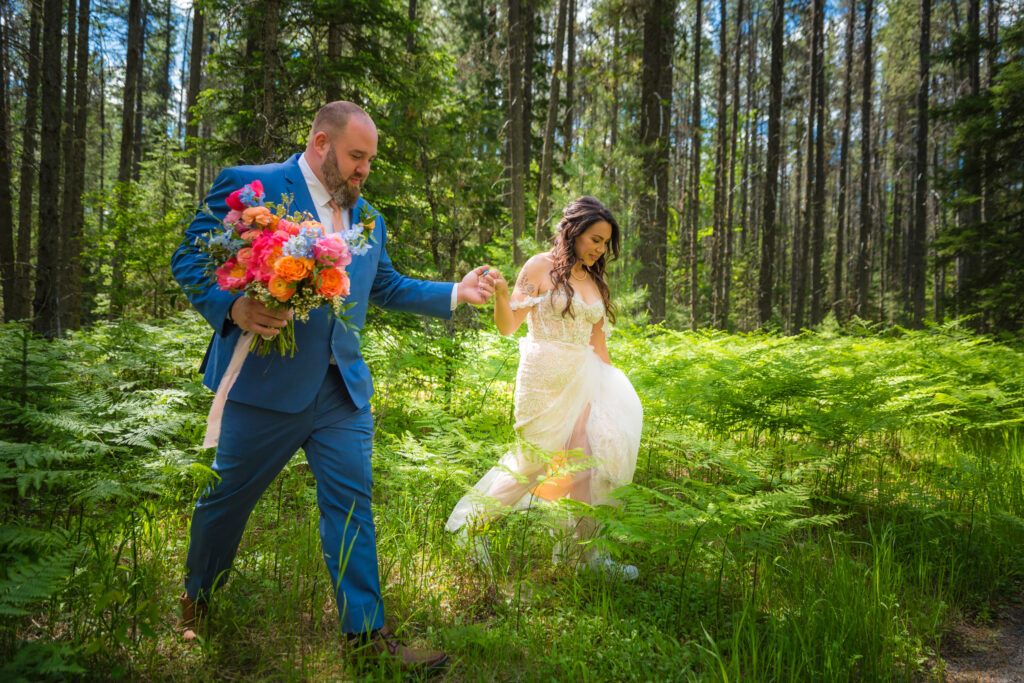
(356,236)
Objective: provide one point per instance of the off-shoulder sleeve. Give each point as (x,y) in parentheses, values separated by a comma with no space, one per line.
(526,302)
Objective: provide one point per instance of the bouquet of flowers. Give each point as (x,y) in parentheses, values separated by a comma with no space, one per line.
(284,261)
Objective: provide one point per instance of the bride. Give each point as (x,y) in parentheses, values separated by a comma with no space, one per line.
(578,419)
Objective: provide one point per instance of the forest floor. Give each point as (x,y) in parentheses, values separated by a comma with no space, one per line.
(988,651)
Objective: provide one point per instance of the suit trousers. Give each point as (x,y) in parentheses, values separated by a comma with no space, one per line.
(255,444)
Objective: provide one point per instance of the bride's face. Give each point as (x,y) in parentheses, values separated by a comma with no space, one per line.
(591,244)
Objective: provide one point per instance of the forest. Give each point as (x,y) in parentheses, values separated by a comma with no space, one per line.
(819,302)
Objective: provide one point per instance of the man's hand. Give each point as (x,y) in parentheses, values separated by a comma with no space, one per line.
(253,316)
(477,287)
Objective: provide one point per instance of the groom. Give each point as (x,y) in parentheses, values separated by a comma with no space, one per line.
(318,400)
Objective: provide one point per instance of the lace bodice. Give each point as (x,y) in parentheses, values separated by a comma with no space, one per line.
(546,322)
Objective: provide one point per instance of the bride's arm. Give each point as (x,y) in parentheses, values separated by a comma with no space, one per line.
(598,340)
(506,319)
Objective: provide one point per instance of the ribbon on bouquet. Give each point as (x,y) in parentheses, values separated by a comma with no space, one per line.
(227,381)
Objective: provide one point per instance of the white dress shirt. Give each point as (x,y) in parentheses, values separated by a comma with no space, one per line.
(325,214)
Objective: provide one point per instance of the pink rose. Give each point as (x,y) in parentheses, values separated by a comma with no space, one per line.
(266,250)
(233,217)
(234,201)
(331,250)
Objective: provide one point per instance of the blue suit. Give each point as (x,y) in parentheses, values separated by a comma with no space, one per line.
(279,404)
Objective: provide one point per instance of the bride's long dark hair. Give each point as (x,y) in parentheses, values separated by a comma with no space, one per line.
(579,215)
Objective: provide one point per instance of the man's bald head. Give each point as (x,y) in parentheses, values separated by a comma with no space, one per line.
(334,117)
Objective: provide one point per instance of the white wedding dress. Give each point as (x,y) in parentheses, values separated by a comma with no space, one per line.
(578,419)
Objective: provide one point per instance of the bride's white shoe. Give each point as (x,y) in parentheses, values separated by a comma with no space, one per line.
(602,563)
(477,547)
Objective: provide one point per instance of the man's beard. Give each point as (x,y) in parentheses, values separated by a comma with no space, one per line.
(344,193)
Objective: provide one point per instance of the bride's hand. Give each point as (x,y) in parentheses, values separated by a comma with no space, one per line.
(500,285)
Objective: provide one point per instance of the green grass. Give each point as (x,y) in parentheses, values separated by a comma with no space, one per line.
(811,507)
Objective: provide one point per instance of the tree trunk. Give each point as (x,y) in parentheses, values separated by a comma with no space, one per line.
(332,90)
(528,20)
(862,272)
(801,265)
(271,10)
(515,125)
(818,202)
(734,136)
(547,155)
(410,37)
(195,73)
(721,161)
(164,87)
(22,303)
(694,188)
(771,184)
(77,177)
(842,215)
(133,66)
(570,79)
(655,133)
(137,136)
(67,189)
(47,303)
(7,265)
(918,276)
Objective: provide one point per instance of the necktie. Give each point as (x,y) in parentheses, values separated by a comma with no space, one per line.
(336,224)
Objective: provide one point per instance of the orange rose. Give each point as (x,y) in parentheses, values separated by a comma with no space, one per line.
(244,256)
(267,220)
(293,269)
(253,212)
(280,288)
(250,235)
(331,282)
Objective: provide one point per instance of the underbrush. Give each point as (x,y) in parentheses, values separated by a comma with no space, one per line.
(811,507)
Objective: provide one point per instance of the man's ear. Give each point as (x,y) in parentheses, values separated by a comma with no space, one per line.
(321,143)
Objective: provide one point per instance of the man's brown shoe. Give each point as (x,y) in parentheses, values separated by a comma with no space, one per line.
(383,642)
(193,616)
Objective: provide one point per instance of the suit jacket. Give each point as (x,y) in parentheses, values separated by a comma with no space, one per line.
(289,384)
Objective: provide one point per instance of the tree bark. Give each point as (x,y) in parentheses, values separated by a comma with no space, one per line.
(842,215)
(22,303)
(133,57)
(195,73)
(548,152)
(718,305)
(768,239)
(67,160)
(918,276)
(76,178)
(570,80)
(271,10)
(818,203)
(137,137)
(47,302)
(334,44)
(7,265)
(515,125)
(655,132)
(734,136)
(528,21)
(862,272)
(410,36)
(694,185)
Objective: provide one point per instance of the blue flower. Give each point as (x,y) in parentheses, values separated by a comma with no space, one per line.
(249,197)
(301,245)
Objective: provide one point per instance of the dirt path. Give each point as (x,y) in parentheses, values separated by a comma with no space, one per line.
(987,653)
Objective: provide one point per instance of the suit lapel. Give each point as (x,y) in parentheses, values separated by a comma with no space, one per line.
(297,186)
